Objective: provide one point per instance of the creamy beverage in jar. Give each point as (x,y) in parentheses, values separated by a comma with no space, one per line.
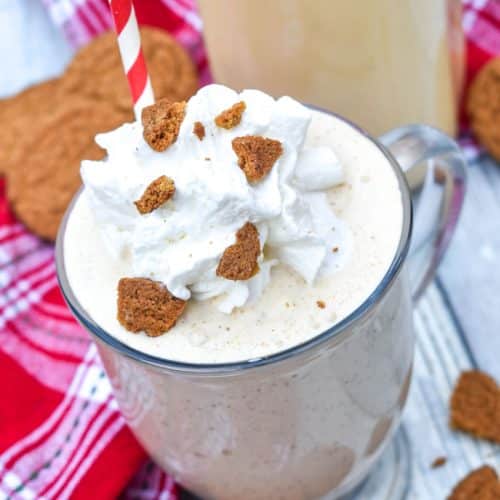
(382,63)
(326,210)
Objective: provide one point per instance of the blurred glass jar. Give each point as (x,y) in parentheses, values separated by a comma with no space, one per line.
(380,63)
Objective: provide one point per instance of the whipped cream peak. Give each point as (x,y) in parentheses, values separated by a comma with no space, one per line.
(181,242)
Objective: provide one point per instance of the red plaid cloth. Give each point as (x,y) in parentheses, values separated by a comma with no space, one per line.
(62,434)
(481,23)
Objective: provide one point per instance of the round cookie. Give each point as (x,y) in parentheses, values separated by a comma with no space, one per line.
(47,173)
(173,74)
(483,107)
(97,71)
(21,112)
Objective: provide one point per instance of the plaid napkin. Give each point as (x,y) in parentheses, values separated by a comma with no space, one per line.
(62,434)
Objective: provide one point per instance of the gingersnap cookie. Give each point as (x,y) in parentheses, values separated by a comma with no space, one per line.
(46,174)
(147,306)
(97,70)
(239,261)
(256,155)
(483,107)
(475,406)
(230,118)
(162,122)
(155,195)
(480,484)
(22,111)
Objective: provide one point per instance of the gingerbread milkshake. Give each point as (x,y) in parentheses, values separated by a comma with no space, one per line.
(219,245)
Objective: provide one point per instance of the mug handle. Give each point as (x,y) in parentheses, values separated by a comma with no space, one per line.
(435,171)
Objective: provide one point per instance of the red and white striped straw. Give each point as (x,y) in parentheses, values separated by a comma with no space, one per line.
(129,42)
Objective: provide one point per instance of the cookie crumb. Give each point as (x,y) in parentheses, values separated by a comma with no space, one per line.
(231,117)
(439,176)
(156,194)
(256,155)
(239,261)
(321,304)
(162,122)
(199,130)
(146,305)
(475,406)
(438,462)
(480,484)
(335,249)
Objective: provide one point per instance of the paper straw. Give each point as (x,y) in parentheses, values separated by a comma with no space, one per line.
(129,43)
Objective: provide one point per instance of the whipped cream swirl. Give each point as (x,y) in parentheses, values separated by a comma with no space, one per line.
(181,242)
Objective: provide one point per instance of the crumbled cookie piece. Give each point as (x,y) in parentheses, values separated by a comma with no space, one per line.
(156,194)
(438,462)
(146,305)
(480,484)
(231,117)
(239,261)
(439,175)
(199,130)
(475,406)
(162,122)
(256,155)
(321,304)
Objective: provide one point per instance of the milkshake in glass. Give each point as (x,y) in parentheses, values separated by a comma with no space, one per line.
(285,382)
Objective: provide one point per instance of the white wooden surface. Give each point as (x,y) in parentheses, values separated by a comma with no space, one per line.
(469,277)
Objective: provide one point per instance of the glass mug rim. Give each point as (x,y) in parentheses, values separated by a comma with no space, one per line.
(235,366)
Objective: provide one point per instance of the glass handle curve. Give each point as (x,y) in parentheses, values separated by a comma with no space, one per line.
(436,173)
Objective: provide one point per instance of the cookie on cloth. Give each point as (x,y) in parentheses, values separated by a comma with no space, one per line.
(46,173)
(483,107)
(97,70)
(21,112)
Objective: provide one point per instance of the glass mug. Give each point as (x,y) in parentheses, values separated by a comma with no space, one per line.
(308,422)
(381,63)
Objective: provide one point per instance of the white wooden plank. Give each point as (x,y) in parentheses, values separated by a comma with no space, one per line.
(470,273)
